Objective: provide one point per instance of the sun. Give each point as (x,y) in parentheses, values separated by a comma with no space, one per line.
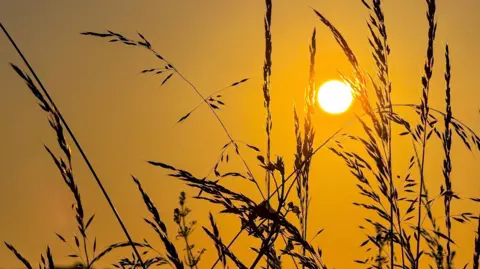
(335,97)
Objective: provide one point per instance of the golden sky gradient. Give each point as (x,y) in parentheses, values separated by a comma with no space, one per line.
(122,118)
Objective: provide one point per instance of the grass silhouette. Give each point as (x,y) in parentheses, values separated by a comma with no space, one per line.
(279,221)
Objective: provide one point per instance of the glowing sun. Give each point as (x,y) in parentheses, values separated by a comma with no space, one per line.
(335,97)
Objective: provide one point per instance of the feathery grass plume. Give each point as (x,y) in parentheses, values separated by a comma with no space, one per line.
(185,229)
(381,51)
(423,128)
(375,153)
(56,122)
(267,72)
(467,135)
(304,150)
(309,135)
(447,162)
(159,227)
(358,82)
(298,165)
(378,144)
(476,254)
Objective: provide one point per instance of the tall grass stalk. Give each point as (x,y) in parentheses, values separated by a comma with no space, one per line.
(309,132)
(80,149)
(428,71)
(185,230)
(379,142)
(381,52)
(447,163)
(267,71)
(304,147)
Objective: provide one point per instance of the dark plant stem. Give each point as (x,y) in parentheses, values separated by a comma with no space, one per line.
(267,71)
(77,144)
(85,249)
(447,164)
(428,69)
(390,175)
(190,256)
(420,197)
(309,133)
(388,92)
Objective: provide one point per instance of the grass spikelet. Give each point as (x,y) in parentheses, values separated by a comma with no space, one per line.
(304,147)
(447,163)
(267,71)
(379,44)
(19,256)
(298,165)
(309,132)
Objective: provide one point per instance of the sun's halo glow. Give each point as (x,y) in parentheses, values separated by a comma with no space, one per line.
(335,97)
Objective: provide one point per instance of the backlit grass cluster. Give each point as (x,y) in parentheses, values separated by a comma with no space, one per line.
(403,232)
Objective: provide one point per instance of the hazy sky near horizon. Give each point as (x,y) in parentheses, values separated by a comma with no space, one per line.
(122,118)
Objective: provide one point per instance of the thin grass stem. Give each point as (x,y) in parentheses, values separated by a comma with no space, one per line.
(77,144)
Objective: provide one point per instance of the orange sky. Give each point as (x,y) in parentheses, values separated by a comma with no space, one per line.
(122,118)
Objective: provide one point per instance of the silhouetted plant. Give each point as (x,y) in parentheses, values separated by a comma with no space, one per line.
(185,229)
(402,206)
